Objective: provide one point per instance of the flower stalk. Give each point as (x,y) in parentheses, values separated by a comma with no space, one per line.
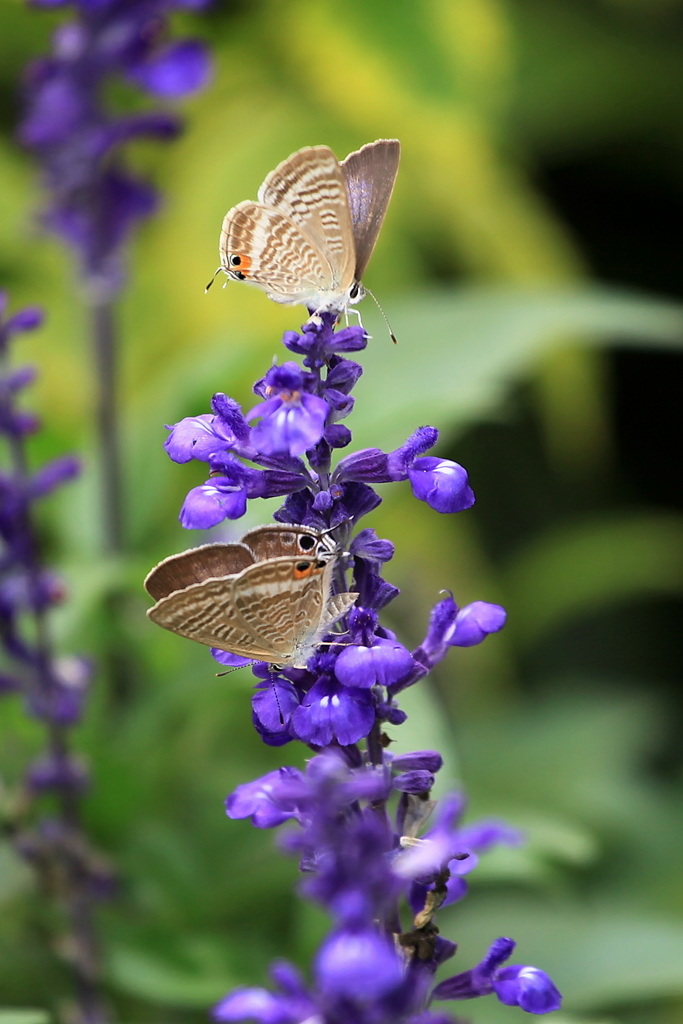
(53,689)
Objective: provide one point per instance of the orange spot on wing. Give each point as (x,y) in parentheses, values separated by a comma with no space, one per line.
(245,265)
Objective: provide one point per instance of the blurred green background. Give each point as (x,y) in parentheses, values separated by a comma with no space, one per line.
(530,265)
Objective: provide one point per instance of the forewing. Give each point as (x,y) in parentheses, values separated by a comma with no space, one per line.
(273,253)
(206,613)
(277,540)
(309,187)
(370,174)
(195,565)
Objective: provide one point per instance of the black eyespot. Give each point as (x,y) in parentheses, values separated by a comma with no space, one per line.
(235,261)
(354,290)
(239,275)
(306,542)
(303,566)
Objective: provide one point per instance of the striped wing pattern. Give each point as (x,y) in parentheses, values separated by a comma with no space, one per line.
(309,188)
(275,610)
(276,255)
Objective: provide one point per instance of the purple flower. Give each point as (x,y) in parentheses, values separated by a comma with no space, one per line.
(383,664)
(210,503)
(331,712)
(527,987)
(441,483)
(261,799)
(358,963)
(198,437)
(292,420)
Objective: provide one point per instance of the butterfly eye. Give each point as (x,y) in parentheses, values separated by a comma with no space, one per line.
(354,290)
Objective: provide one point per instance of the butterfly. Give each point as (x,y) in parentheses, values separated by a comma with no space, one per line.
(268,598)
(310,236)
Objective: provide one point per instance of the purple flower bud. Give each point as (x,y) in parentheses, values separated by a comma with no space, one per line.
(27,319)
(52,474)
(441,483)
(366,544)
(57,773)
(344,375)
(337,435)
(418,760)
(414,782)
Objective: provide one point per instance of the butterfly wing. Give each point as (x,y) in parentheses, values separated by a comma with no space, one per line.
(310,189)
(282,603)
(177,572)
(370,173)
(272,253)
(206,612)
(277,540)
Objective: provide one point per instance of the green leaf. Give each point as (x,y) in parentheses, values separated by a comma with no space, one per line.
(459,352)
(23,1016)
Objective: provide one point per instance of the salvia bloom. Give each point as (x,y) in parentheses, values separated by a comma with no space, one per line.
(94,200)
(357,816)
(52,688)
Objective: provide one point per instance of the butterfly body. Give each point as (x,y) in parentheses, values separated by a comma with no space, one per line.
(310,235)
(269,597)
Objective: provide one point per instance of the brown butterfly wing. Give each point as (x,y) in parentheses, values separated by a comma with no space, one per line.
(309,188)
(274,254)
(206,613)
(370,173)
(195,565)
(277,540)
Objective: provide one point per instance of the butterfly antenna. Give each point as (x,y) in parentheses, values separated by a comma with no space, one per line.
(229,671)
(386,319)
(214,278)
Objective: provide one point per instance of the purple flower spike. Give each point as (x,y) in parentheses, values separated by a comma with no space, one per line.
(475,621)
(441,483)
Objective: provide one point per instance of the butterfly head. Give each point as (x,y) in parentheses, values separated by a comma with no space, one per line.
(356,293)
